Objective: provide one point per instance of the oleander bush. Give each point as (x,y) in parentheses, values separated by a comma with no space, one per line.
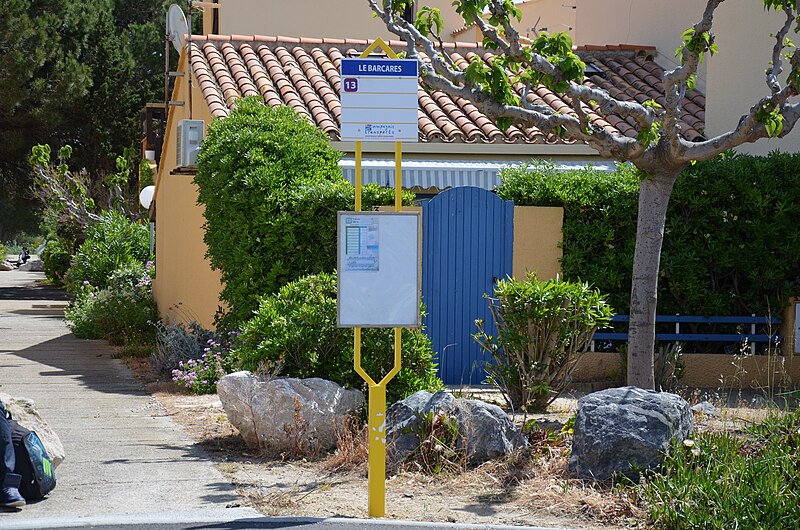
(543,326)
(122,311)
(296,329)
(112,243)
(270,185)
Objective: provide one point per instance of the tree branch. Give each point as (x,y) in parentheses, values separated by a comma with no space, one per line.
(777,64)
(675,81)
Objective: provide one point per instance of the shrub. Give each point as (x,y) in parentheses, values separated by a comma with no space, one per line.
(175,343)
(56,261)
(112,243)
(200,374)
(297,328)
(731,242)
(121,312)
(542,328)
(441,446)
(270,185)
(720,481)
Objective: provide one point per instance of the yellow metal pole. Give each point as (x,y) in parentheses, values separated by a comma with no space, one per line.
(398,176)
(377,450)
(358,176)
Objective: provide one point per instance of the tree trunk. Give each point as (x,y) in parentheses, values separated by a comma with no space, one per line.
(654,194)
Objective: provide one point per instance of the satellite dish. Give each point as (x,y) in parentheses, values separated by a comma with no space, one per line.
(146,196)
(177,28)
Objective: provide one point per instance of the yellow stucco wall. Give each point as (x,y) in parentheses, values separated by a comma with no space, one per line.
(185,287)
(703,370)
(537,241)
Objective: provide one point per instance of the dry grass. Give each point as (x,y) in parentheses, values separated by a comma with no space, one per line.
(352,449)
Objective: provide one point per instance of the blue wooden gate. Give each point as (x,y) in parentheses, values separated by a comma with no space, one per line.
(467,244)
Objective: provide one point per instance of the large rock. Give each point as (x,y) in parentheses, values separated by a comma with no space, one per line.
(25,413)
(32,265)
(622,430)
(285,414)
(486,432)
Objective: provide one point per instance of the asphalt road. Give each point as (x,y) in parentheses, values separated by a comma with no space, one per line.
(216,521)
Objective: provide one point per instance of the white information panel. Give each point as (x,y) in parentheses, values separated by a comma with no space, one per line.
(378,269)
(379,100)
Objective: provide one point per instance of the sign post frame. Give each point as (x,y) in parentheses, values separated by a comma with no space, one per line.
(377,390)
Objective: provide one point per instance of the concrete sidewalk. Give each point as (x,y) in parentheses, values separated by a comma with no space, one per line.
(123,455)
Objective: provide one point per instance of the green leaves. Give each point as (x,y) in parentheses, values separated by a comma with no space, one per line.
(723,480)
(497,79)
(696,43)
(429,21)
(772,119)
(730,247)
(779,4)
(650,134)
(556,49)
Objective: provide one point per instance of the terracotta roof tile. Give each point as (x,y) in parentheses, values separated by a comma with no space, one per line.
(303,73)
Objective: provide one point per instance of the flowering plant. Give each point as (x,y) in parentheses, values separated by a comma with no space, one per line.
(201,375)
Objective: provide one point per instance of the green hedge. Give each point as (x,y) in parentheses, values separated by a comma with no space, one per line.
(731,243)
(271,185)
(599,220)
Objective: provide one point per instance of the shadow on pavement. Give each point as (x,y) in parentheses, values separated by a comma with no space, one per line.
(33,291)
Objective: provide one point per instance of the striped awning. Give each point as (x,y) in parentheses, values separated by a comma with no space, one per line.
(442,174)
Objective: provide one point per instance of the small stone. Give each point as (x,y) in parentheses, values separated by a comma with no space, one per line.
(706,408)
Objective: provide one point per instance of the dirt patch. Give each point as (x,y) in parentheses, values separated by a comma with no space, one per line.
(532,489)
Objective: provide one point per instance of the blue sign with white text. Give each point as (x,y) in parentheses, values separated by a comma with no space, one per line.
(380,67)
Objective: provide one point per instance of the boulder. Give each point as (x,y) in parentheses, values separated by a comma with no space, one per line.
(25,413)
(6,266)
(623,430)
(280,415)
(32,265)
(486,431)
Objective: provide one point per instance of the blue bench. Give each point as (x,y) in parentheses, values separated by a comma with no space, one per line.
(752,337)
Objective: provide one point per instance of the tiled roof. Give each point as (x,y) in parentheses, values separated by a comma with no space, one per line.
(304,74)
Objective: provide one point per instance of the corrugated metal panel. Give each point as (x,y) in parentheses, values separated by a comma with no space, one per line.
(468,240)
(446,174)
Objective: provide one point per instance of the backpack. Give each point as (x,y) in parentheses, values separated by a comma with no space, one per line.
(32,462)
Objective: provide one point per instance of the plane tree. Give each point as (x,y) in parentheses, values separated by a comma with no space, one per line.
(500,87)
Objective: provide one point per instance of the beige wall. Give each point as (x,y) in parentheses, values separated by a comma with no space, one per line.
(353,18)
(537,241)
(736,75)
(553,16)
(648,22)
(732,80)
(185,287)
